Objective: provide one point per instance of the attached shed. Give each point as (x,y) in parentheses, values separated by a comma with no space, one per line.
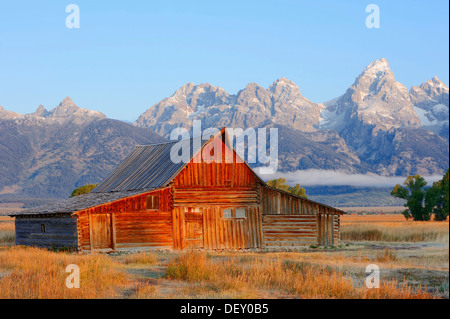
(149,201)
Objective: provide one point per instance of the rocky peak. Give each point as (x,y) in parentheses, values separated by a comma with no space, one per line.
(184,91)
(40,111)
(284,89)
(434,87)
(254,95)
(377,78)
(65,108)
(430,93)
(68,109)
(5,114)
(375,99)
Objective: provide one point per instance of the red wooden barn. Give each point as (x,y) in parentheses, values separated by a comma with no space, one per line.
(149,201)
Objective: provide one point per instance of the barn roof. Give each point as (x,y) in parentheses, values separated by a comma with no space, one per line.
(149,166)
(73,204)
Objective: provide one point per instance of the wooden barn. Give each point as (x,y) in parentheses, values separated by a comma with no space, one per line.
(150,202)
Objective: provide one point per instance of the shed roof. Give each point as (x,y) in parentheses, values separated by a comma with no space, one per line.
(73,204)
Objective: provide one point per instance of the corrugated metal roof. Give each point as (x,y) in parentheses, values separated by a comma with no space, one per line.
(149,166)
(77,203)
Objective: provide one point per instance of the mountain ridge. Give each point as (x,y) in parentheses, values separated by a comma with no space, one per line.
(376,126)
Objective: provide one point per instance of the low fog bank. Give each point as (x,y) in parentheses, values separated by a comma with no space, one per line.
(315,177)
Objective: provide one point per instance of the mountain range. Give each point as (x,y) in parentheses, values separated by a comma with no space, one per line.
(377,126)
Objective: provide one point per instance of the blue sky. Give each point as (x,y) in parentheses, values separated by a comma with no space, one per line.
(127,56)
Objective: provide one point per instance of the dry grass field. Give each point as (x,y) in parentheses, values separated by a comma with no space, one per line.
(7,235)
(7,208)
(413,259)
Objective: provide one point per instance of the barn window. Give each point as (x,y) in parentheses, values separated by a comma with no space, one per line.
(152,202)
(42,228)
(240,213)
(234,213)
(227,213)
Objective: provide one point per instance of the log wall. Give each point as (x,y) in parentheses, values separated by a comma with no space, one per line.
(289,230)
(59,231)
(321,223)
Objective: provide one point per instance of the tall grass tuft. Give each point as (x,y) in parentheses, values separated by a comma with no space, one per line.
(386,256)
(142,258)
(7,236)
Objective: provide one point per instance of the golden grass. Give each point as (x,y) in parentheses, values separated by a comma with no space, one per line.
(396,232)
(386,256)
(27,272)
(6,223)
(7,236)
(302,280)
(339,273)
(373,218)
(142,258)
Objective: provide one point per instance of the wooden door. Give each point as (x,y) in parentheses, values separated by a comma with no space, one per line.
(325,229)
(101,231)
(193,227)
(330,228)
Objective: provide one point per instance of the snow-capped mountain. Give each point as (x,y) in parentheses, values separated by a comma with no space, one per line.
(376,126)
(65,111)
(253,106)
(431,103)
(376,123)
(375,99)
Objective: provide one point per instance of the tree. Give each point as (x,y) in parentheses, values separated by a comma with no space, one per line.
(414,194)
(445,193)
(298,190)
(437,198)
(280,183)
(85,189)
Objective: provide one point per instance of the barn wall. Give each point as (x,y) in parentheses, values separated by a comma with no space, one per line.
(289,230)
(227,171)
(60,232)
(280,203)
(143,229)
(215,232)
(129,224)
(214,196)
(200,192)
(300,221)
(337,229)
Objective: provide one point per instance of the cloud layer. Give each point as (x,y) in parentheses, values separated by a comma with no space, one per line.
(315,177)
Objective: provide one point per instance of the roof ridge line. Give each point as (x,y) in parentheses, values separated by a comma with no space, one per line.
(169,142)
